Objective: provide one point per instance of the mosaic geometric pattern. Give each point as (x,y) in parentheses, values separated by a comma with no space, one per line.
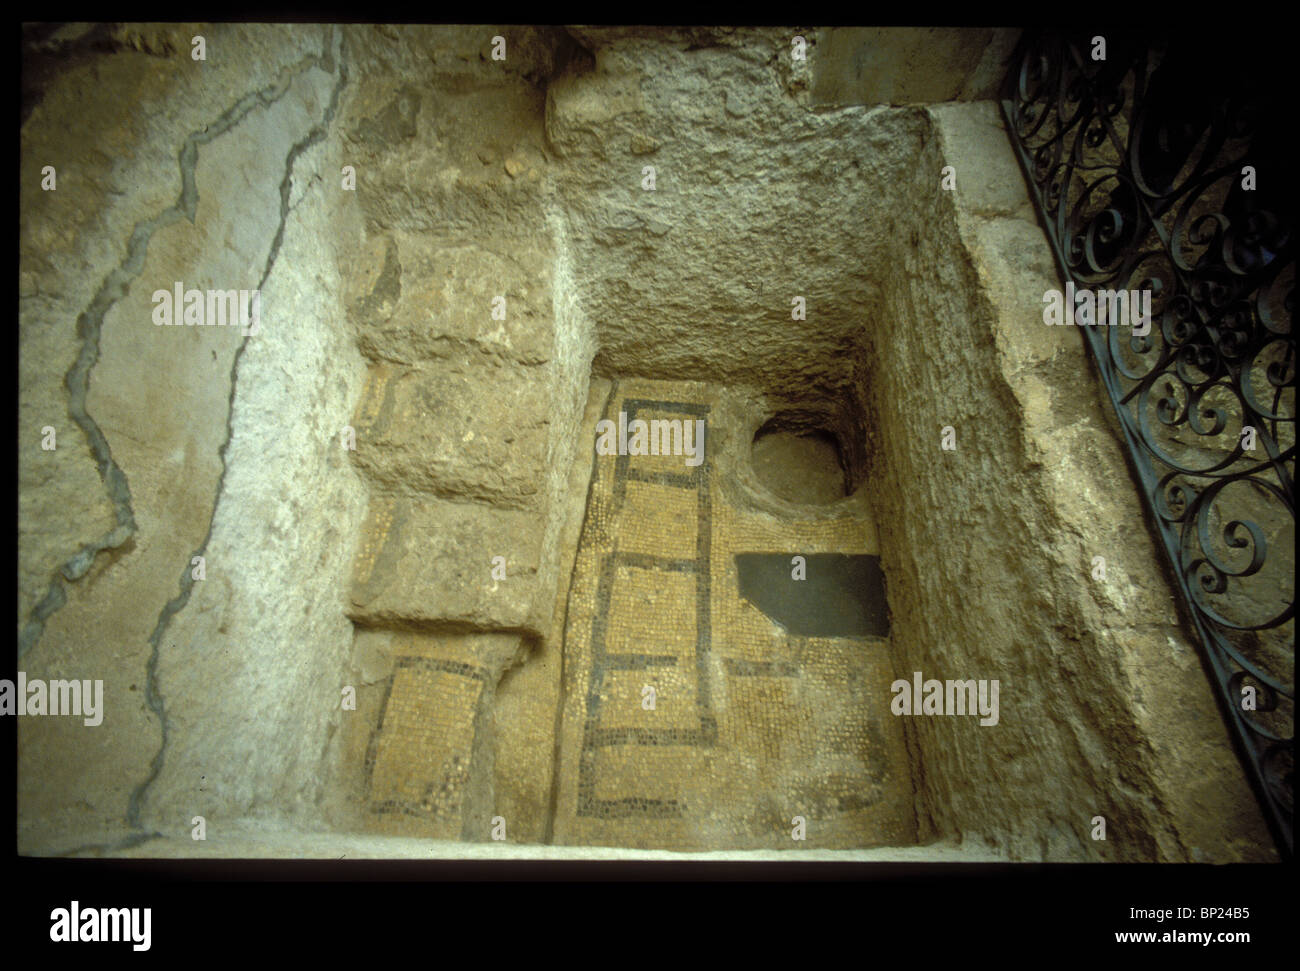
(750,725)
(419,757)
(618,634)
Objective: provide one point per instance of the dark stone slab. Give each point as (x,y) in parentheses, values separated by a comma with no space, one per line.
(841,596)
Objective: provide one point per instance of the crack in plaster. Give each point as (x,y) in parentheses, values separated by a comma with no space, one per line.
(89,325)
(325,61)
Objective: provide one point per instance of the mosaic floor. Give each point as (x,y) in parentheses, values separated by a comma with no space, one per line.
(423,736)
(690,718)
(693,721)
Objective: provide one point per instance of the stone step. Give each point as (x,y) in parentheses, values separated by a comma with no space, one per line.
(429,562)
(461,428)
(411,300)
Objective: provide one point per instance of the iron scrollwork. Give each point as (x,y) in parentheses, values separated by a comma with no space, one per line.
(1152,172)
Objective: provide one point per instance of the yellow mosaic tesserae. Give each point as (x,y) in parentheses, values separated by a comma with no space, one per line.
(751,727)
(689,718)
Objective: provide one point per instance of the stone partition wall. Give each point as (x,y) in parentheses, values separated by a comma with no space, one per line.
(222,692)
(989,547)
(218,690)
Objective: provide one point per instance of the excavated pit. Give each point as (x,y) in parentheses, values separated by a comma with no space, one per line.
(404,504)
(687,714)
(800,463)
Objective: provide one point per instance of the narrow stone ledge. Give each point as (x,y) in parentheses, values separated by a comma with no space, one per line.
(430,562)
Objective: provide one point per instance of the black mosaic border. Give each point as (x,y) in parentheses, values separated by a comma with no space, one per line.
(594,737)
(405,662)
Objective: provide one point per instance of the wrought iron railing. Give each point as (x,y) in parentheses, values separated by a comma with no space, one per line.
(1153,170)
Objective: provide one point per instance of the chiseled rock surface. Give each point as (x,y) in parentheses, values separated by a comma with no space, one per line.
(756,200)
(425,560)
(248,667)
(989,548)
(478,365)
(909,65)
(420,302)
(158,173)
(458,427)
(468,424)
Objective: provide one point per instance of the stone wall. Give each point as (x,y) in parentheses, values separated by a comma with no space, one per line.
(989,547)
(208,442)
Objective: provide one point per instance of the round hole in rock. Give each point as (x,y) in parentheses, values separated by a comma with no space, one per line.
(799,463)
